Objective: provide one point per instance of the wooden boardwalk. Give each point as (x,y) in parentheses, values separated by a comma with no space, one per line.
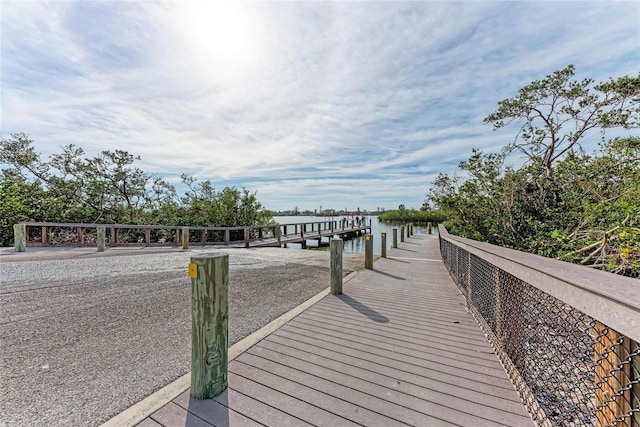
(397,348)
(316,234)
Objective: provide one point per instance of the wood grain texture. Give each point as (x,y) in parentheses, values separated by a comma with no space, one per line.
(209,325)
(336,246)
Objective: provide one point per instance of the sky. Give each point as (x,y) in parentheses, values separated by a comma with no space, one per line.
(333,104)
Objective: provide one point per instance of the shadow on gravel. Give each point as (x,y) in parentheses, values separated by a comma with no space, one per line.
(369,312)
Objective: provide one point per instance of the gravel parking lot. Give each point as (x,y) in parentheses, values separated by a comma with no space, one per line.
(83,336)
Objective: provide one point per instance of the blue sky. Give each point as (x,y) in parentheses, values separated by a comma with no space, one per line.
(339,104)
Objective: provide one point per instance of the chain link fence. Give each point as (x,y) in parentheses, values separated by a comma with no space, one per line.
(569,369)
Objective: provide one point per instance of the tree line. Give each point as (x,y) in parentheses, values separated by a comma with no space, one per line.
(563,202)
(109,188)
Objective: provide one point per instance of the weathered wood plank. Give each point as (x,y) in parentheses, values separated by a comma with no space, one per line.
(315,391)
(391,358)
(148,422)
(439,342)
(258,411)
(419,373)
(350,340)
(213,412)
(469,390)
(173,415)
(279,398)
(462,330)
(389,387)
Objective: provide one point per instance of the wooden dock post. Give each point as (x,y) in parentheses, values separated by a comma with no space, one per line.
(336,246)
(368,251)
(395,238)
(246,237)
(100,238)
(429,228)
(185,238)
(303,242)
(20,237)
(383,245)
(402,233)
(278,234)
(209,324)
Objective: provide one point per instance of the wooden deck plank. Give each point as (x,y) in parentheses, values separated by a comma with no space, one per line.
(173,415)
(298,384)
(410,404)
(384,413)
(281,399)
(462,355)
(393,359)
(354,341)
(256,410)
(432,345)
(439,341)
(403,371)
(390,377)
(213,412)
(148,422)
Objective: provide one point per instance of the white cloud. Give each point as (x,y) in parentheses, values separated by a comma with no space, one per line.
(340,102)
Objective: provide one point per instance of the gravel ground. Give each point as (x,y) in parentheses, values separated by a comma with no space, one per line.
(83,336)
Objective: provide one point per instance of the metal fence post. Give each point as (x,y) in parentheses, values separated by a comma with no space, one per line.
(336,246)
(209,324)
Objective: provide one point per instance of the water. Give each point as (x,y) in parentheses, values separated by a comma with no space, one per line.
(355,245)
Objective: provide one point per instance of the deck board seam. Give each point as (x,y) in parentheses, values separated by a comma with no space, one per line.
(386,387)
(506,380)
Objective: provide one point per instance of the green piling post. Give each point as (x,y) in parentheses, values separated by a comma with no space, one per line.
(368,251)
(402,233)
(20,237)
(395,238)
(336,246)
(383,245)
(209,324)
(100,238)
(185,238)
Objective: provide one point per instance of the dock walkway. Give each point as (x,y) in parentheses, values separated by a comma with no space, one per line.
(397,348)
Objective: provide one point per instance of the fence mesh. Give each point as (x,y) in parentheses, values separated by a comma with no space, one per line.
(569,369)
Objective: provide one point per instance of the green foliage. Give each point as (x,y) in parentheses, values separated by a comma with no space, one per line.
(555,113)
(563,203)
(403,214)
(108,188)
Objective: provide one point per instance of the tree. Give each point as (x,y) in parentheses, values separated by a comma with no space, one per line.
(555,113)
(108,188)
(562,203)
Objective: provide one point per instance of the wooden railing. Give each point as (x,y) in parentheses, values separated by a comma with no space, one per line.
(83,234)
(566,334)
